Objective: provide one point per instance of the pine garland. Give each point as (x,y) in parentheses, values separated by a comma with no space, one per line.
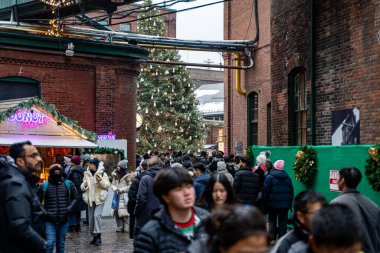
(27,104)
(372,168)
(106,150)
(305,167)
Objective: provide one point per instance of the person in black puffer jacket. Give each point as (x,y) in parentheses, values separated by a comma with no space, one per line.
(246,183)
(278,197)
(146,201)
(19,206)
(58,197)
(132,196)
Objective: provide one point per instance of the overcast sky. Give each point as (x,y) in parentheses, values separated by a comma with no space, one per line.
(204,23)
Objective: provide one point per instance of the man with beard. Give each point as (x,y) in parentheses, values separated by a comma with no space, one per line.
(58,196)
(121,181)
(20,208)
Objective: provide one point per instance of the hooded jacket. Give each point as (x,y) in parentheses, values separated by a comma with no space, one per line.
(146,201)
(246,186)
(222,169)
(100,187)
(368,214)
(122,186)
(58,201)
(200,185)
(161,235)
(278,190)
(20,211)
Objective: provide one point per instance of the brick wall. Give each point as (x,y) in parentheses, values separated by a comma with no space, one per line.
(237,16)
(347,63)
(99,94)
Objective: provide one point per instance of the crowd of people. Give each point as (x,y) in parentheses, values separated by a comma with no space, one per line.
(181,203)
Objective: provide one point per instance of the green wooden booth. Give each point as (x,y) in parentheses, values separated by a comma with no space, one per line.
(329,158)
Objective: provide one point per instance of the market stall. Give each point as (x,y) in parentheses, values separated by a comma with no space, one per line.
(51,132)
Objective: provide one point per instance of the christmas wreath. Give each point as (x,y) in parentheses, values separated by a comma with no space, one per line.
(305,166)
(372,168)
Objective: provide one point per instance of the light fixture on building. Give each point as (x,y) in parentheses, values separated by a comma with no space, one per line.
(70,49)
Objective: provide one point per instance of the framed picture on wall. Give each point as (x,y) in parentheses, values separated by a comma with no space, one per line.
(346,127)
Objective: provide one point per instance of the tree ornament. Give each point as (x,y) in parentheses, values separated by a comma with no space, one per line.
(146,111)
(154,104)
(167,72)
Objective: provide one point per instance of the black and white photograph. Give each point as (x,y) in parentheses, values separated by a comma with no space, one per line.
(346,127)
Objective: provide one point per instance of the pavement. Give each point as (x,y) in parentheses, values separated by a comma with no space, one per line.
(112,242)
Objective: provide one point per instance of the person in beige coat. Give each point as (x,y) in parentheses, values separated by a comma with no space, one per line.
(121,181)
(95,190)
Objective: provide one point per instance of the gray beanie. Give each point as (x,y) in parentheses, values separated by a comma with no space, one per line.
(123,164)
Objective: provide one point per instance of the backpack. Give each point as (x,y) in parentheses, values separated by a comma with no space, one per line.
(46,184)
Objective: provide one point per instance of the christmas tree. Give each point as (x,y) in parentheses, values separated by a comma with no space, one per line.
(165,97)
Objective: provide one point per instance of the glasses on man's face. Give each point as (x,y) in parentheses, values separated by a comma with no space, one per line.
(33,155)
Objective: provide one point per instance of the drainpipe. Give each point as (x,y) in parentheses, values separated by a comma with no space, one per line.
(312,73)
(238,75)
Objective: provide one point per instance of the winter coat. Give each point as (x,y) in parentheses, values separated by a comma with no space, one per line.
(200,185)
(368,214)
(76,175)
(222,169)
(278,190)
(296,241)
(146,201)
(199,246)
(123,186)
(161,235)
(101,187)
(132,193)
(58,201)
(20,211)
(246,186)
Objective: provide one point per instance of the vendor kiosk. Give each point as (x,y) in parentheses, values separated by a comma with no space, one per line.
(52,133)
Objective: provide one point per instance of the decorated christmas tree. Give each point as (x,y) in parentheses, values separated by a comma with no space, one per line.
(165,97)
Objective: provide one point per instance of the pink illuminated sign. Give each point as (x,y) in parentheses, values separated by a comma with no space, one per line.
(109,136)
(29,119)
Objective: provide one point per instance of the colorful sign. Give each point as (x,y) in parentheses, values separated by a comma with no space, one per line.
(109,136)
(334,176)
(29,118)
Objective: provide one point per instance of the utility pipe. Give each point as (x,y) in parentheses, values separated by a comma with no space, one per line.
(238,75)
(312,73)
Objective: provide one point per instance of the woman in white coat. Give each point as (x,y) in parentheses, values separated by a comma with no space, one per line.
(95,189)
(121,181)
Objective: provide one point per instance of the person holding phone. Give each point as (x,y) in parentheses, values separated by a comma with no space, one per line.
(95,190)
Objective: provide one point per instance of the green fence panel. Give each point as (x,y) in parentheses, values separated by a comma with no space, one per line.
(329,158)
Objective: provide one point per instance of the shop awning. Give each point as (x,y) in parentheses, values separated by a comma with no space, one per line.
(46,141)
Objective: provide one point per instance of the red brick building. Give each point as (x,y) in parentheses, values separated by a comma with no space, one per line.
(95,87)
(129,23)
(316,75)
(247,117)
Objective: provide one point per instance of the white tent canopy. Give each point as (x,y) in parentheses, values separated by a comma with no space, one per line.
(46,141)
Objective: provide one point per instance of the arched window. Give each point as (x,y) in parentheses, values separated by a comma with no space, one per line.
(253,119)
(13,87)
(298,107)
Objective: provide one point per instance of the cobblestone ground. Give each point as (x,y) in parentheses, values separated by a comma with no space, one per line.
(112,242)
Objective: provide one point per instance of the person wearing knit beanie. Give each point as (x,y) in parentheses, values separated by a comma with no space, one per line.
(123,164)
(279,165)
(278,198)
